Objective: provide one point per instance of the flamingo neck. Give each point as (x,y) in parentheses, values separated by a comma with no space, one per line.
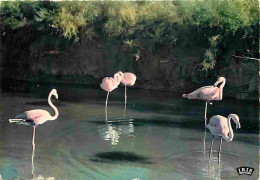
(56,113)
(221,88)
(117,78)
(231,134)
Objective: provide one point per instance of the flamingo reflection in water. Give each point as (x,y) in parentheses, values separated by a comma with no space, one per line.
(36,117)
(112,132)
(40,177)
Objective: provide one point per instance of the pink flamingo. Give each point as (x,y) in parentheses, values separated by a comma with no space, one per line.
(208,93)
(109,84)
(221,126)
(128,79)
(36,117)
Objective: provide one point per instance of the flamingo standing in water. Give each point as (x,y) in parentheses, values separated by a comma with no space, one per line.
(221,126)
(109,84)
(208,93)
(128,79)
(36,117)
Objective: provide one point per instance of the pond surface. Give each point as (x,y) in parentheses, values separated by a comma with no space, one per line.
(159,137)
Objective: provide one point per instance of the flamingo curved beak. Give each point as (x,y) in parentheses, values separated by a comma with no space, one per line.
(238,125)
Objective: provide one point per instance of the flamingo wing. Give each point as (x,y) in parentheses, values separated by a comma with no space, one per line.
(129,79)
(35,114)
(38,116)
(108,84)
(218,125)
(200,93)
(213,129)
(208,93)
(21,116)
(23,119)
(211,93)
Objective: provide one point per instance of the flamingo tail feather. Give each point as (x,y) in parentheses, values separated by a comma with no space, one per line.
(22,121)
(16,120)
(189,96)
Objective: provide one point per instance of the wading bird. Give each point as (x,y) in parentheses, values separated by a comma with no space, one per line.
(208,93)
(221,126)
(109,84)
(36,117)
(128,79)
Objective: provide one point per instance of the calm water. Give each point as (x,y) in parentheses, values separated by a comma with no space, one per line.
(160,136)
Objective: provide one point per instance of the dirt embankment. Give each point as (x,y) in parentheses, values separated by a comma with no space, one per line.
(89,63)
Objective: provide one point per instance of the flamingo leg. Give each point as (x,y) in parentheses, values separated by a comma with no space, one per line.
(204,141)
(106,105)
(205,118)
(205,113)
(219,149)
(107,98)
(125,97)
(211,147)
(33,145)
(219,170)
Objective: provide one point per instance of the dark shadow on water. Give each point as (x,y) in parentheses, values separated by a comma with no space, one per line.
(120,156)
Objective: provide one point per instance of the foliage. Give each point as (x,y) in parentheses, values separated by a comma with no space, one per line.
(121,17)
(211,30)
(229,15)
(72,16)
(151,12)
(211,54)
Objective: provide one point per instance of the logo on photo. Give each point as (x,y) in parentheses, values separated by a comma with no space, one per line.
(245,170)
